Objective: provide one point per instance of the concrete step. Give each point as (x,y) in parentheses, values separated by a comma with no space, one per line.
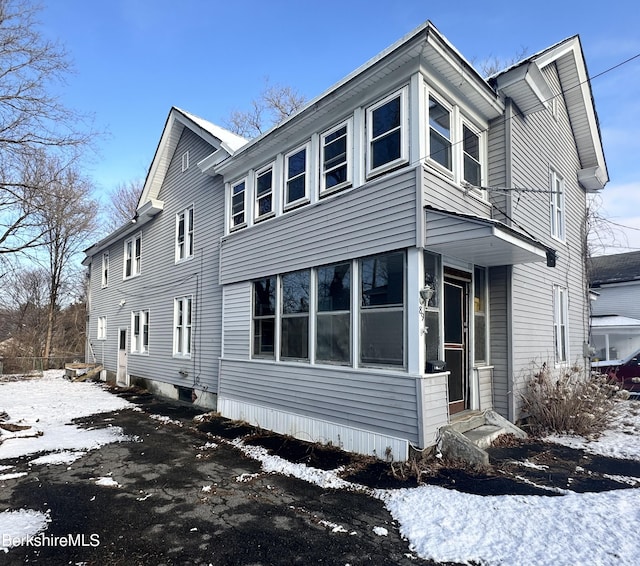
(468,422)
(483,435)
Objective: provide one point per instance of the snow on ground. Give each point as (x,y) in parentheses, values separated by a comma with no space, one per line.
(440,524)
(47,406)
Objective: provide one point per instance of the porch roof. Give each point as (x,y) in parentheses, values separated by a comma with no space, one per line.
(481,241)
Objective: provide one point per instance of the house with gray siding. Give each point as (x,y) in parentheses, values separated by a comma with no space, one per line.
(392,257)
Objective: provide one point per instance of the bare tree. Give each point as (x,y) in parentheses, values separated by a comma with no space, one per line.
(68,214)
(272,107)
(124,202)
(31,118)
(492,64)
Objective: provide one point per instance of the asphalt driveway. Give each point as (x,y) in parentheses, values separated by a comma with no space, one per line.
(180,495)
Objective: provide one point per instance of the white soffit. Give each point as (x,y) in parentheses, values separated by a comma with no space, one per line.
(527,87)
(479,241)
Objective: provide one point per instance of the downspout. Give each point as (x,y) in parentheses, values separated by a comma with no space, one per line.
(508,145)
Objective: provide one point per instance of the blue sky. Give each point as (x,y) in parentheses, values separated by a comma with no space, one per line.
(134,59)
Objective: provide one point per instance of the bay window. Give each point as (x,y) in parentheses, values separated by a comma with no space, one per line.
(440,134)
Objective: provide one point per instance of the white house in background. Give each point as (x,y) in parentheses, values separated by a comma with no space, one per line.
(391,257)
(615,312)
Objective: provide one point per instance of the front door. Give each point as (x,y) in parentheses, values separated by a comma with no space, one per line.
(122,378)
(456,300)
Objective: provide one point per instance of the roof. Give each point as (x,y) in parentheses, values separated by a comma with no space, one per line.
(525,84)
(617,268)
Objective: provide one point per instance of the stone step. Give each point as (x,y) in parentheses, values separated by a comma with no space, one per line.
(469,422)
(483,435)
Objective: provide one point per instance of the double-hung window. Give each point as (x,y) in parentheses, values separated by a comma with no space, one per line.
(295,315)
(105,269)
(184,234)
(386,133)
(296,177)
(183,326)
(132,256)
(556,203)
(382,309)
(471,170)
(560,319)
(140,332)
(264,317)
(440,134)
(238,191)
(264,193)
(102,328)
(335,158)
(333,318)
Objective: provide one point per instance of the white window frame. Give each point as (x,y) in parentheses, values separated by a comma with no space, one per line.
(102,328)
(450,139)
(184,246)
(403,128)
(307,177)
(185,161)
(561,324)
(257,198)
(140,332)
(557,212)
(105,270)
(232,224)
(348,125)
(132,254)
(183,326)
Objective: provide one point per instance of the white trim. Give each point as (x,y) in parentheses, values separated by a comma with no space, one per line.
(306,147)
(348,125)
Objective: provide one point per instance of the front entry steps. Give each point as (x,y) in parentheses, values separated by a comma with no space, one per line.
(467,438)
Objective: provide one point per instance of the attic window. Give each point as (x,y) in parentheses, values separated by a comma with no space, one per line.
(185,161)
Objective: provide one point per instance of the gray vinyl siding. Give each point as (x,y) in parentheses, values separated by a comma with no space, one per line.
(376,217)
(237,320)
(541,140)
(161,279)
(443,194)
(375,401)
(499,295)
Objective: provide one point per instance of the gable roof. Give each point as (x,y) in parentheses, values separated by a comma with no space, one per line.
(223,141)
(525,84)
(616,268)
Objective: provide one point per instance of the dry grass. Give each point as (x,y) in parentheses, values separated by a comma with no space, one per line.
(568,401)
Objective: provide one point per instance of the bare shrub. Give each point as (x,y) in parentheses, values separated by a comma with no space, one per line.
(568,401)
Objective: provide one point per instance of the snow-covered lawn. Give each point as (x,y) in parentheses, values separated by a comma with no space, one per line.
(440,524)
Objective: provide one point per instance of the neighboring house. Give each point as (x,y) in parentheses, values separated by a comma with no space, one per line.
(615,311)
(312,281)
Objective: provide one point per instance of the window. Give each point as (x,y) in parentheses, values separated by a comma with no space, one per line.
(102,328)
(184,234)
(295,315)
(386,133)
(480,315)
(185,161)
(382,310)
(264,192)
(472,172)
(557,205)
(105,269)
(333,319)
(140,332)
(183,326)
(335,158)
(432,278)
(132,253)
(439,134)
(560,316)
(264,317)
(237,204)
(295,177)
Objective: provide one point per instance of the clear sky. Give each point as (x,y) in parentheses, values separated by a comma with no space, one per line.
(134,59)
